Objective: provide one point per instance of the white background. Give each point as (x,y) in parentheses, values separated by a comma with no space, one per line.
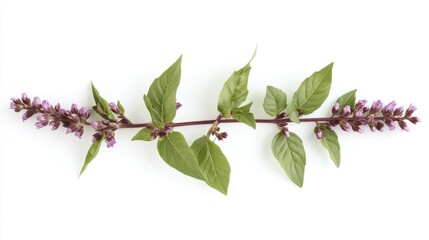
(53,49)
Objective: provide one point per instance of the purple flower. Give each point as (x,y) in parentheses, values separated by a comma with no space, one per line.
(43,121)
(403,125)
(335,108)
(27,115)
(114,108)
(359,113)
(398,111)
(390,123)
(54,124)
(110,140)
(36,102)
(388,109)
(410,110)
(360,104)
(319,134)
(376,106)
(84,113)
(414,120)
(345,125)
(178,105)
(46,106)
(346,111)
(79,133)
(25,99)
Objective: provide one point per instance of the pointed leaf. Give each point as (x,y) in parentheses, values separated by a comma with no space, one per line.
(161,97)
(347,99)
(294,116)
(234,91)
(291,155)
(145,135)
(213,163)
(330,142)
(92,153)
(244,115)
(313,91)
(274,101)
(175,151)
(121,108)
(101,105)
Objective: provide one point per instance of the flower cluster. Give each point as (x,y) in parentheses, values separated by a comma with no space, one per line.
(376,117)
(74,119)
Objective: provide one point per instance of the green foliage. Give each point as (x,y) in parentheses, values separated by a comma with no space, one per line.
(291,155)
(175,151)
(213,163)
(330,142)
(347,99)
(92,153)
(101,105)
(244,115)
(161,97)
(143,135)
(234,91)
(312,92)
(274,101)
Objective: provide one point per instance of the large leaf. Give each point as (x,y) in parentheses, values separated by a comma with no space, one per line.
(103,106)
(174,150)
(213,163)
(92,153)
(162,95)
(347,99)
(234,91)
(330,142)
(313,91)
(274,101)
(244,115)
(291,155)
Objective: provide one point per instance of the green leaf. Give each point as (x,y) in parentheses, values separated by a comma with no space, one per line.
(330,142)
(161,97)
(145,135)
(313,91)
(244,115)
(291,155)
(234,91)
(92,153)
(294,116)
(213,163)
(121,108)
(174,150)
(274,101)
(347,99)
(102,106)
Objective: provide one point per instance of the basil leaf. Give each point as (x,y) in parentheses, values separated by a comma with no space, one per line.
(291,155)
(153,113)
(213,163)
(313,91)
(121,108)
(234,91)
(92,153)
(101,105)
(294,116)
(274,101)
(162,94)
(330,142)
(145,135)
(174,150)
(347,99)
(244,115)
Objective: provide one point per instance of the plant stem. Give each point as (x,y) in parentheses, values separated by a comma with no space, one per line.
(273,121)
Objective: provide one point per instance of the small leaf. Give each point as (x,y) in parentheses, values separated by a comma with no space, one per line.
(234,91)
(294,116)
(244,115)
(291,155)
(92,153)
(313,91)
(347,99)
(213,163)
(145,135)
(102,106)
(330,142)
(121,108)
(274,101)
(161,97)
(174,150)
